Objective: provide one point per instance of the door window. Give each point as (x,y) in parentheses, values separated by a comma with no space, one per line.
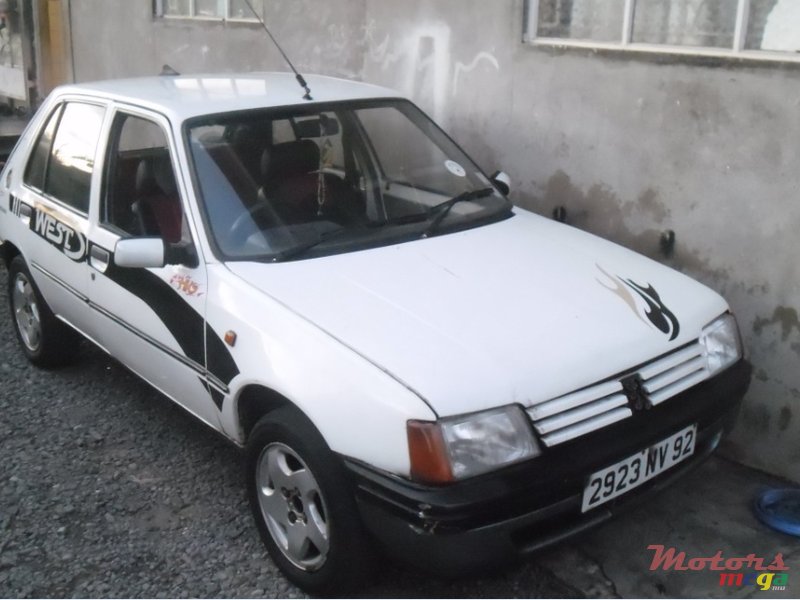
(141,194)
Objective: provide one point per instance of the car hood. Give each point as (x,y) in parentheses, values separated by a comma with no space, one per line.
(519,311)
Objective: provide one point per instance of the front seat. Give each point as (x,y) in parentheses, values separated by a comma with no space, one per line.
(290,180)
(157,200)
(291,183)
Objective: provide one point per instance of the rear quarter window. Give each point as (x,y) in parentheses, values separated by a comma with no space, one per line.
(62,161)
(37,164)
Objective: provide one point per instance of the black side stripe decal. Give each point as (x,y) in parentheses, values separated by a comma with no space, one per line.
(183,322)
(220,361)
(217,397)
(218,386)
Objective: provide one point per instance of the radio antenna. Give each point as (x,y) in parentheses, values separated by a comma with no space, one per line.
(300,79)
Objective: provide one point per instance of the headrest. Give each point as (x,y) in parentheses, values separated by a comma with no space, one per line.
(250,136)
(145,180)
(290,159)
(155,176)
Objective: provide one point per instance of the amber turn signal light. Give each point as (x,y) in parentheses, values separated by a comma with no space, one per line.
(429,459)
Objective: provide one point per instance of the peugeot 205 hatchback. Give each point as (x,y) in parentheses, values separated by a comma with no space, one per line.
(406,358)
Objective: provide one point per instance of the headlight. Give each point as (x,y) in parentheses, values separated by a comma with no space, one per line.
(461,447)
(722,343)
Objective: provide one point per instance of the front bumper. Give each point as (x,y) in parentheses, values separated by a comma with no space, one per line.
(494,518)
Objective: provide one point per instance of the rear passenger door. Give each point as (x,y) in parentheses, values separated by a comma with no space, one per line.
(53,199)
(150,319)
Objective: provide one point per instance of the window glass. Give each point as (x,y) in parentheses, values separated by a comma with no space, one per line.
(69,171)
(282,131)
(209,8)
(599,20)
(393,136)
(709,23)
(240,10)
(177,8)
(37,165)
(141,193)
(774,25)
(332,180)
(771,25)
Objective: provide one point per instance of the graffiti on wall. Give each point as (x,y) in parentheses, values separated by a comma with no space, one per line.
(422,62)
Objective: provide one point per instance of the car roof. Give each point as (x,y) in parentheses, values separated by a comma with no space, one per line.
(182,97)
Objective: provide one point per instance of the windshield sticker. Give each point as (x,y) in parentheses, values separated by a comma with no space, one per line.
(645,302)
(71,243)
(455,168)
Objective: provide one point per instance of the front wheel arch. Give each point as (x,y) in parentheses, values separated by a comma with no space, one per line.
(255,401)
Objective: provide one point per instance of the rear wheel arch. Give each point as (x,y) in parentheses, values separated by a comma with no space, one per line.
(8,252)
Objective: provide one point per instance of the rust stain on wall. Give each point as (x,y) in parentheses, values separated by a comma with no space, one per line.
(601,211)
(784,418)
(785,316)
(757,417)
(649,202)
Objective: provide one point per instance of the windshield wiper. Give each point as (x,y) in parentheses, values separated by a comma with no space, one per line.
(301,249)
(446,207)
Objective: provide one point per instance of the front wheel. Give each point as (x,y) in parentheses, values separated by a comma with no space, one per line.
(304,505)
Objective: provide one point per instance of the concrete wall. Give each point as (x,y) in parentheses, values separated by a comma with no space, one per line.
(120,38)
(630,146)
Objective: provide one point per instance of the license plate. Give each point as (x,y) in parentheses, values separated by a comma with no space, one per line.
(635,470)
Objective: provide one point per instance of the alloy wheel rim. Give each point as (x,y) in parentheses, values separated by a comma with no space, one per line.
(293,507)
(26,313)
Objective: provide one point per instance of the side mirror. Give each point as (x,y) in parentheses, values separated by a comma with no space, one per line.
(141,253)
(502,181)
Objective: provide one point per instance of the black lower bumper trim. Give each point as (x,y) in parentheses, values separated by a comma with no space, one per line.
(493,518)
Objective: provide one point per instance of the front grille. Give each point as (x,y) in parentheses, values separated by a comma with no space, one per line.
(674,373)
(600,405)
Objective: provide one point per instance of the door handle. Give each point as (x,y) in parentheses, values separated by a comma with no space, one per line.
(99,258)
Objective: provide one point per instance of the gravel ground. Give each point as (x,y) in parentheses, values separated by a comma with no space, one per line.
(107,489)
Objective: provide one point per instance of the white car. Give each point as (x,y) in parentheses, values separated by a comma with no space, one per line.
(405,357)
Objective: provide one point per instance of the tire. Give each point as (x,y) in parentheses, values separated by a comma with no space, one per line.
(304,506)
(45,340)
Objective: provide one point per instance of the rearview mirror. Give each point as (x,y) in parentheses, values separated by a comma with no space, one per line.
(502,181)
(316,127)
(141,253)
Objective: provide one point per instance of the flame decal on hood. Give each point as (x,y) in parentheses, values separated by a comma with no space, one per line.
(657,314)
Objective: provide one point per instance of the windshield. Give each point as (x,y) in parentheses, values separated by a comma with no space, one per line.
(281,184)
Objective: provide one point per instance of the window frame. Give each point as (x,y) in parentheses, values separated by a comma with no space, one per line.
(626,43)
(111,139)
(60,106)
(159,12)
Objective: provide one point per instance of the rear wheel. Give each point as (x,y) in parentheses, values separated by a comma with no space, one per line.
(304,505)
(46,341)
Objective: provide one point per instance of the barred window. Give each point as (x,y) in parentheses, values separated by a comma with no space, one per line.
(746,28)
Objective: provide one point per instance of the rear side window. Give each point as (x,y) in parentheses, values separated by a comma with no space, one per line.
(62,163)
(37,165)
